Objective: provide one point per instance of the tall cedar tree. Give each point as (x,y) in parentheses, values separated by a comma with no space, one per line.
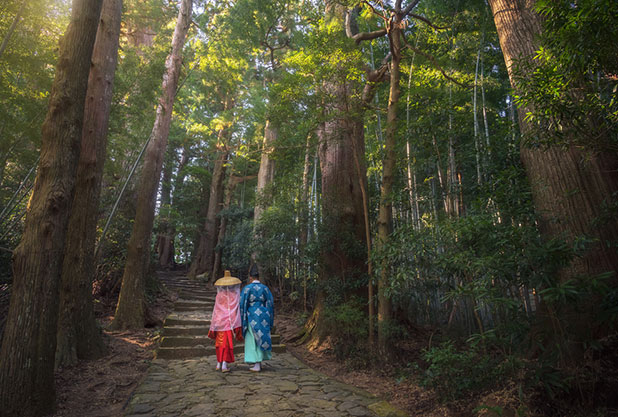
(570,185)
(342,144)
(130,309)
(78,334)
(29,342)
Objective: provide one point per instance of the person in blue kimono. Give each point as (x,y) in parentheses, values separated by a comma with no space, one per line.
(257,314)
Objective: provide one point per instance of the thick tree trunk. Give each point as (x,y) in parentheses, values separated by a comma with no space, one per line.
(342,200)
(266,174)
(205,255)
(341,147)
(29,341)
(78,334)
(570,185)
(130,308)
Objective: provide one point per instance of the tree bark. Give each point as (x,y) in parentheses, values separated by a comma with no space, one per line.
(572,184)
(78,334)
(341,147)
(204,259)
(341,138)
(342,201)
(385,213)
(29,341)
(266,174)
(130,307)
(165,238)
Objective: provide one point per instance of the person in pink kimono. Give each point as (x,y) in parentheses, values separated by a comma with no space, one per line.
(225,322)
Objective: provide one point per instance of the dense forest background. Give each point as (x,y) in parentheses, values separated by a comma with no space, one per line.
(445,168)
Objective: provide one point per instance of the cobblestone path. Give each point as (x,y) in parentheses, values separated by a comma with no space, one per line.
(185,383)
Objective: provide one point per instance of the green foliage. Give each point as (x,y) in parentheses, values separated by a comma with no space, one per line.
(26,74)
(237,242)
(572,90)
(455,374)
(277,231)
(346,325)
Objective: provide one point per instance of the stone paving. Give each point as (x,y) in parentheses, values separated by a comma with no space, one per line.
(285,387)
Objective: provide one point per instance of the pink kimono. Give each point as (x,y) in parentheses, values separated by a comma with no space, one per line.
(225,321)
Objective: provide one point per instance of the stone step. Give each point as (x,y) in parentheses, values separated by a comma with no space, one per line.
(196,296)
(186,331)
(199,351)
(192,341)
(186,303)
(183,283)
(188,286)
(172,321)
(197,292)
(207,307)
(189,297)
(193,290)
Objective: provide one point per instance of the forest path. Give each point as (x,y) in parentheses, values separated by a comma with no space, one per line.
(191,386)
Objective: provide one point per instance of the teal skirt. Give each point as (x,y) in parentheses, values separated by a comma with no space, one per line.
(253,353)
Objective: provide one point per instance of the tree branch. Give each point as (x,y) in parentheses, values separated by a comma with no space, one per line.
(408,9)
(351,28)
(365,36)
(236,180)
(373,78)
(434,61)
(427,21)
(373,9)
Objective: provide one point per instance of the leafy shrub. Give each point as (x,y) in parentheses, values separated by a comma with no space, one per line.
(347,325)
(454,374)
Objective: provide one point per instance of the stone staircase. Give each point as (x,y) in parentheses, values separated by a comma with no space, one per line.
(185,330)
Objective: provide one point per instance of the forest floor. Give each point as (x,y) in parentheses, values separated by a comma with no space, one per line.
(103,387)
(386,380)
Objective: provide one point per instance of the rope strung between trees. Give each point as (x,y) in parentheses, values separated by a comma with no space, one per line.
(21,185)
(124,187)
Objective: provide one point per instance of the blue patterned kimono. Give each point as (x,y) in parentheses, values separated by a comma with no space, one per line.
(257,311)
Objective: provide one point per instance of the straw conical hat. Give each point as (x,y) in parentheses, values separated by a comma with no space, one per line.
(227,279)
